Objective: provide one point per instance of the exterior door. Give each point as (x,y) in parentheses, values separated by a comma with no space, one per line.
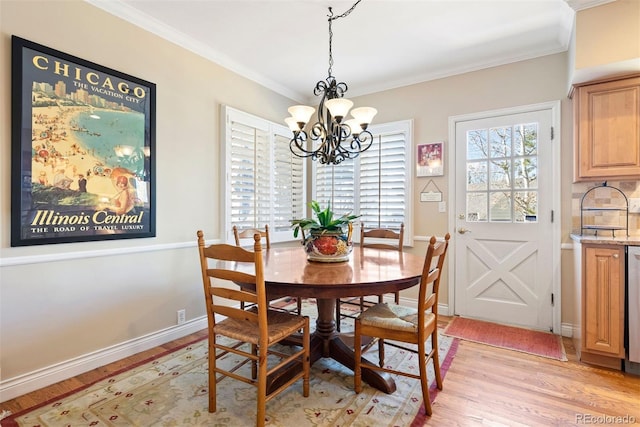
(504,231)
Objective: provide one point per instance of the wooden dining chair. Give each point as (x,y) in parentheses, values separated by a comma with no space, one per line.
(389,321)
(247,234)
(249,334)
(379,238)
(244,235)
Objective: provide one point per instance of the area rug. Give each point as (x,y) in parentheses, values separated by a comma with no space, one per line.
(171,390)
(524,340)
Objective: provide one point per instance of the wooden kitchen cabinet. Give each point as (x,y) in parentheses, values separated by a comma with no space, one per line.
(607,130)
(603,282)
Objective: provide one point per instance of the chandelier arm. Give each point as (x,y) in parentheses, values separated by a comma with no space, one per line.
(364,140)
(296,145)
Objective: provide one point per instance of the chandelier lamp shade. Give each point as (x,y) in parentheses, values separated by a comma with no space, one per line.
(332,138)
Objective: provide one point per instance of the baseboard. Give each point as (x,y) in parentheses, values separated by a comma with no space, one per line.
(566,330)
(17,386)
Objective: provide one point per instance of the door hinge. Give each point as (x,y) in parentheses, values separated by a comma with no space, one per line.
(552,215)
(552,302)
(552,133)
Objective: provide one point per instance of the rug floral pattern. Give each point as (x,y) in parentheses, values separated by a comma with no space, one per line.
(172,391)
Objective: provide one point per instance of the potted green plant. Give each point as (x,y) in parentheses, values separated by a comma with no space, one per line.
(325,237)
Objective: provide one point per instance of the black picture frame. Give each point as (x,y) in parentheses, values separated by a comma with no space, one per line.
(83,150)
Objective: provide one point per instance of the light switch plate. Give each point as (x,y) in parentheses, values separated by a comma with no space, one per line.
(634,205)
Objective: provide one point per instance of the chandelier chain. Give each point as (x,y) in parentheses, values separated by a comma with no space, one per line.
(332,18)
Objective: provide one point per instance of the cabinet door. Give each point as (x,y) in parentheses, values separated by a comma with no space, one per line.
(603,300)
(607,130)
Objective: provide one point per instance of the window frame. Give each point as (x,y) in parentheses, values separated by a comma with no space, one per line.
(227,115)
(405,127)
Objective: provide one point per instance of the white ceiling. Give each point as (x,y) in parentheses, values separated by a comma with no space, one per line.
(382,44)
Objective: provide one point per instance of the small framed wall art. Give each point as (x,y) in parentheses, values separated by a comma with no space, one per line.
(430,159)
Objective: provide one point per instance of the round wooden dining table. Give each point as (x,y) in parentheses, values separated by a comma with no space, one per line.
(368,272)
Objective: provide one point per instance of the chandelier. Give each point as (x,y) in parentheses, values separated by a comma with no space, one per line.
(331,139)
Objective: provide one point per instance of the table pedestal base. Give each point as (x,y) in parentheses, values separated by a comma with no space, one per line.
(342,353)
(327,342)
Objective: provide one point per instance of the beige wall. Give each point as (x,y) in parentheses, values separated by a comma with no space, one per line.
(599,31)
(607,41)
(103,293)
(58,302)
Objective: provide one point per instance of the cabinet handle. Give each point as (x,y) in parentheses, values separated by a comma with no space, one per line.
(616,256)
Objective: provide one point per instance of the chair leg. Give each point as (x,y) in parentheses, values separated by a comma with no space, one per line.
(299,305)
(212,374)
(338,315)
(357,348)
(424,380)
(436,358)
(262,387)
(397,297)
(381,352)
(306,362)
(254,364)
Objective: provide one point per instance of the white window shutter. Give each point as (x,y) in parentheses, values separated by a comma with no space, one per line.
(377,184)
(264,183)
(383,181)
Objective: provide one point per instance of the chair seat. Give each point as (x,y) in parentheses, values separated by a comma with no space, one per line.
(280,324)
(395,317)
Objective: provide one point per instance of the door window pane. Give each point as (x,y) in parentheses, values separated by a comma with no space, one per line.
(500,142)
(525,139)
(500,174)
(476,176)
(526,206)
(477,146)
(525,172)
(477,207)
(500,206)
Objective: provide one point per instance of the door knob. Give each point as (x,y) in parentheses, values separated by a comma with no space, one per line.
(463,230)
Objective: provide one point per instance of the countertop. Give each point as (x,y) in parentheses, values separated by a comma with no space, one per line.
(606,240)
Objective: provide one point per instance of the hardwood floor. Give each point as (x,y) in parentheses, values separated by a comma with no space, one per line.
(484,386)
(495,387)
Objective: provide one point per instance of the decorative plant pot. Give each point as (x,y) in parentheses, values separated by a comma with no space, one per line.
(328,246)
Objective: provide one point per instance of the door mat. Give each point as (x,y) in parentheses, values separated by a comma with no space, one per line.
(509,337)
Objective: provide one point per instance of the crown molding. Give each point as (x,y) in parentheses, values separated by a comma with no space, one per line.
(586,4)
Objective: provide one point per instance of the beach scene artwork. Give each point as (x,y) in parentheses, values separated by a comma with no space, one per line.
(89,151)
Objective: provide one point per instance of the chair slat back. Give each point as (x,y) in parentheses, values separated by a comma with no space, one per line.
(430,280)
(248,233)
(220,280)
(395,238)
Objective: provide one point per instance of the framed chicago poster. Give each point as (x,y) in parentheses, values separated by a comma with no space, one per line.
(83,150)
